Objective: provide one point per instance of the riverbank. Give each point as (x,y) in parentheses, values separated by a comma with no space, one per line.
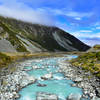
(49,80)
(13,76)
(7,58)
(8,61)
(12,82)
(83,79)
(89,61)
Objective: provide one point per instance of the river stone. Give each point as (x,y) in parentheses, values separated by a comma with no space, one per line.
(41,85)
(26,68)
(1,82)
(95,98)
(47,76)
(46,96)
(73,85)
(98,92)
(74,97)
(78,79)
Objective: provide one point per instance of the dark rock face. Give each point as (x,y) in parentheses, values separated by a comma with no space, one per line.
(43,37)
(55,39)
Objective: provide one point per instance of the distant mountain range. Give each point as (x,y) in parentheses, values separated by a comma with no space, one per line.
(19,36)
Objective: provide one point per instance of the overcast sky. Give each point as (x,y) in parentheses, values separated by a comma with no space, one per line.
(80,18)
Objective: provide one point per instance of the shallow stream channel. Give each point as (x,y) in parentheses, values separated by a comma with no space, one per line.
(49,79)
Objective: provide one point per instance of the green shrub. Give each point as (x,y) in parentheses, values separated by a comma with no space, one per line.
(96,47)
(98,55)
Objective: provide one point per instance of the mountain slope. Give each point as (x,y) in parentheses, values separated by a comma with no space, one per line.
(27,37)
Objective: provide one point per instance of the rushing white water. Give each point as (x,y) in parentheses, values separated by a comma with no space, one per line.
(58,84)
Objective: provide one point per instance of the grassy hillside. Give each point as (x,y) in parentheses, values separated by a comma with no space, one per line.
(89,61)
(11,28)
(12,37)
(25,37)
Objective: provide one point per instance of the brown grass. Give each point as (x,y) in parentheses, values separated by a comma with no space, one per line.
(7,58)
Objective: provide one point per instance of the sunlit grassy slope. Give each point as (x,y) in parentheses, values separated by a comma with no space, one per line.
(89,61)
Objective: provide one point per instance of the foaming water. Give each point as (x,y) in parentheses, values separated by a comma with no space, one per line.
(58,84)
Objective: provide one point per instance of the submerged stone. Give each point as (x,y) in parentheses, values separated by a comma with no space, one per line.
(46,96)
(41,85)
(74,97)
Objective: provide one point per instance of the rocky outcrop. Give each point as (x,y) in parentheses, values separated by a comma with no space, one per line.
(6,46)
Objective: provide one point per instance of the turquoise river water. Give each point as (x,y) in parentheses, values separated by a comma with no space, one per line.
(58,85)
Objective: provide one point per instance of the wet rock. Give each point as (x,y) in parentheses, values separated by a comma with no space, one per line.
(27,69)
(35,67)
(95,98)
(46,96)
(78,79)
(1,82)
(85,96)
(27,80)
(41,85)
(74,97)
(47,76)
(73,85)
(98,92)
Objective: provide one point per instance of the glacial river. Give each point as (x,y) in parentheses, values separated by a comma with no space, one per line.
(58,84)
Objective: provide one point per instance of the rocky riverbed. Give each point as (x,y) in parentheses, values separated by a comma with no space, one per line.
(12,82)
(85,80)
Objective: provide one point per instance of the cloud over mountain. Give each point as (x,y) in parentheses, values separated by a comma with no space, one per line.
(70,15)
(23,12)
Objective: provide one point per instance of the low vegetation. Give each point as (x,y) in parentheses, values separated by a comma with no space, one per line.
(12,37)
(4,60)
(7,58)
(97,47)
(89,61)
